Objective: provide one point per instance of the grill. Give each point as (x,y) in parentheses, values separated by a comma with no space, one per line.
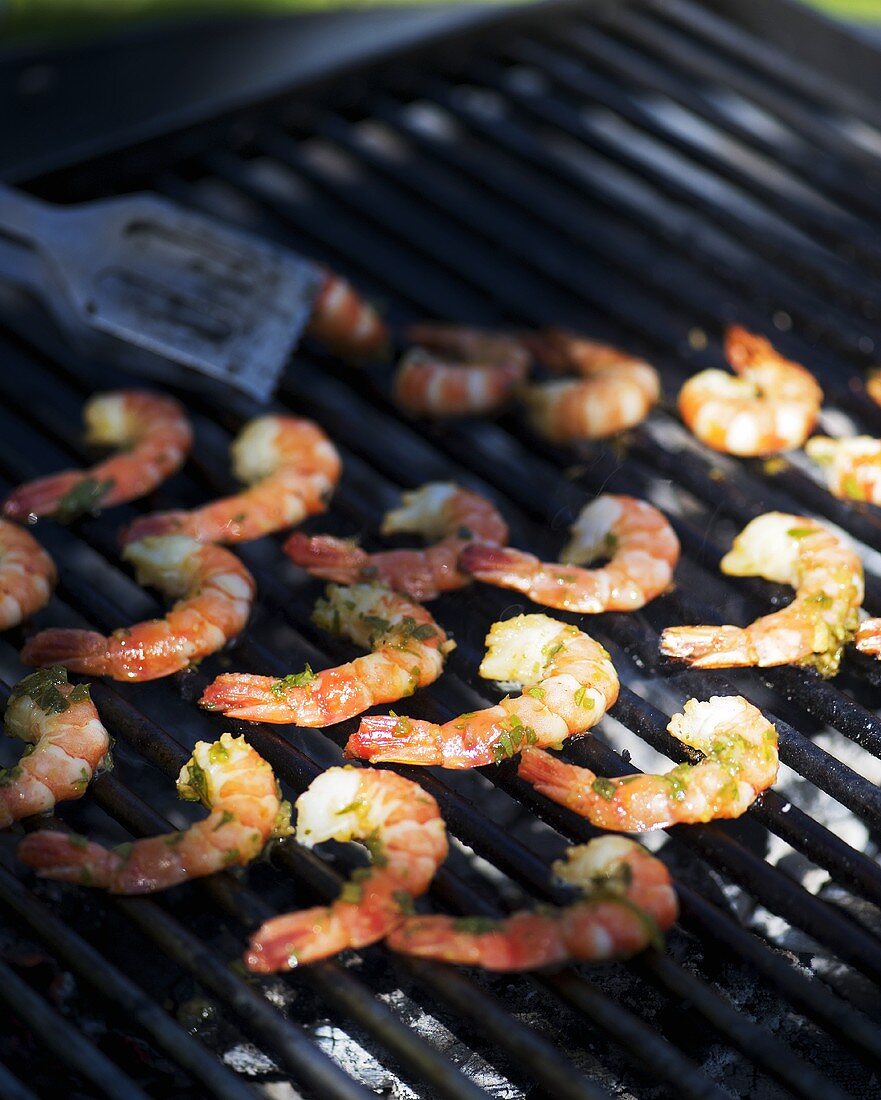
(645,172)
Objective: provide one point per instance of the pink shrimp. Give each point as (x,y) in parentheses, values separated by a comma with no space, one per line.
(68,742)
(291,468)
(408,653)
(868,637)
(440,510)
(217,592)
(616,390)
(154,437)
(349,326)
(406,836)
(772,406)
(27,575)
(639,542)
(740,749)
(229,779)
(569,683)
(627,901)
(458,371)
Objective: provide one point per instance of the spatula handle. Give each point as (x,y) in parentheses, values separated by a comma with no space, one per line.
(23,218)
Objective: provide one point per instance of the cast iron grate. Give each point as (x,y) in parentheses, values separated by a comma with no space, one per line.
(645,172)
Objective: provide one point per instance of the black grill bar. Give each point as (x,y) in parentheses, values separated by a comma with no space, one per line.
(12,1087)
(62,1039)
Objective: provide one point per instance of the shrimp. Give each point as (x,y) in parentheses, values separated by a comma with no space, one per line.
(568,683)
(27,575)
(458,371)
(216,593)
(153,436)
(246,809)
(852,466)
(740,749)
(67,743)
(813,630)
(408,653)
(402,828)
(616,390)
(868,637)
(627,902)
(341,319)
(291,468)
(640,544)
(873,385)
(771,407)
(439,510)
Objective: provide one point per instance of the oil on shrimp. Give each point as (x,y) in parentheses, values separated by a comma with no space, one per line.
(402,828)
(245,806)
(568,683)
(740,761)
(408,652)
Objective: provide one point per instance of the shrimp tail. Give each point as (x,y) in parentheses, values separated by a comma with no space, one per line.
(492,563)
(384,738)
(78,650)
(41,497)
(550,775)
(66,858)
(158,523)
(284,942)
(708,646)
(327,557)
(240,695)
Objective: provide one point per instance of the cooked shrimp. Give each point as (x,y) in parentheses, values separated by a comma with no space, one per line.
(828,577)
(852,466)
(873,385)
(341,319)
(640,544)
(408,653)
(740,750)
(154,437)
(457,371)
(568,683)
(868,637)
(438,511)
(246,810)
(291,468)
(616,390)
(627,901)
(402,828)
(771,407)
(216,593)
(67,743)
(27,575)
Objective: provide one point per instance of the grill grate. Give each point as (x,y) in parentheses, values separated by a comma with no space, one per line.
(646,172)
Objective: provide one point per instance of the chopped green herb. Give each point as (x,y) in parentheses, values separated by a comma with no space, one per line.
(225,818)
(294,680)
(218,753)
(475,926)
(173,839)
(78,841)
(800,532)
(374,845)
(403,725)
(124,851)
(852,488)
(44,687)
(9,775)
(582,700)
(352,892)
(423,632)
(605,788)
(84,498)
(404,902)
(195,789)
(550,651)
(536,693)
(232,856)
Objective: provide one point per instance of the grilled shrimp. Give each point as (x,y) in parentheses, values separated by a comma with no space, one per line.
(740,750)
(216,593)
(868,637)
(291,469)
(153,436)
(341,319)
(640,544)
(627,901)
(813,630)
(408,653)
(568,683)
(67,743)
(456,371)
(246,809)
(401,826)
(772,406)
(852,466)
(27,575)
(438,511)
(615,391)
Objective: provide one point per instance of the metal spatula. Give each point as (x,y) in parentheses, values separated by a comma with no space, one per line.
(159,290)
